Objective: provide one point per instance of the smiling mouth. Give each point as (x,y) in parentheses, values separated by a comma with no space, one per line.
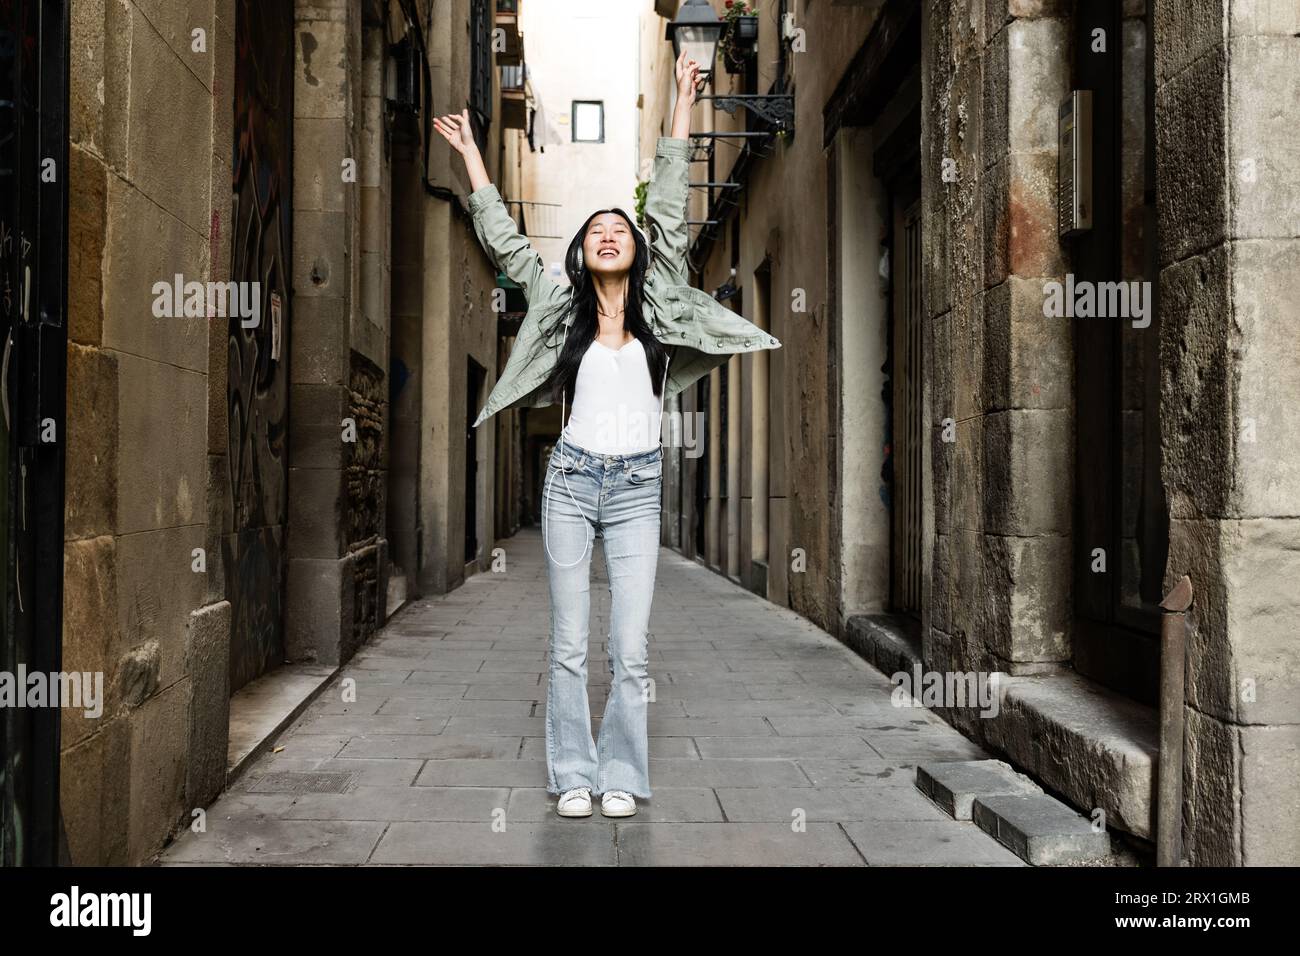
(607,254)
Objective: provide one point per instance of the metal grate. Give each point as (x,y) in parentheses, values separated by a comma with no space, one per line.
(292,781)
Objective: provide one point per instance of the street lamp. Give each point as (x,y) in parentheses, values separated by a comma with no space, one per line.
(696,30)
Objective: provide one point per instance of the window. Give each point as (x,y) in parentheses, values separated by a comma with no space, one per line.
(1121,513)
(480,79)
(588,121)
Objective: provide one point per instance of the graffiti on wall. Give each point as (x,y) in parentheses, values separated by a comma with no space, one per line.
(258,374)
(366,481)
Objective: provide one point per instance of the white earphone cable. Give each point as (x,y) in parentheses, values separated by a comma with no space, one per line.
(586,529)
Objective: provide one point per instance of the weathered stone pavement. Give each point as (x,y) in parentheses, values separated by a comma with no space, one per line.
(770,744)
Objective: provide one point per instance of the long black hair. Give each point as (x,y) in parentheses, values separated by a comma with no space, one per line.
(581,311)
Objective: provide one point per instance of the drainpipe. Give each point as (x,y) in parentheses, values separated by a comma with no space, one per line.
(1173,683)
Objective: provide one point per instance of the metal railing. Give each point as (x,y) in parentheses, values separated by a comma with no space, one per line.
(537,220)
(514,78)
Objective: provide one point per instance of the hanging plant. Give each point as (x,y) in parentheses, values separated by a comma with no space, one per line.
(739,34)
(641,189)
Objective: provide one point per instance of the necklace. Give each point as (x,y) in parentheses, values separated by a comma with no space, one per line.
(608,315)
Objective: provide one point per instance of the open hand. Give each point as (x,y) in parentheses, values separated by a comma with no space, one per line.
(688,76)
(456,129)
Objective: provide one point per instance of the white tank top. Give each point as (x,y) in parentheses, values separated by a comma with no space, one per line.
(615,411)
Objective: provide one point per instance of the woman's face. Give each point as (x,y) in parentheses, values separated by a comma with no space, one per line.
(608,247)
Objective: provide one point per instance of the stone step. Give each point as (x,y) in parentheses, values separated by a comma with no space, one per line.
(1089,744)
(954,785)
(889,642)
(1040,829)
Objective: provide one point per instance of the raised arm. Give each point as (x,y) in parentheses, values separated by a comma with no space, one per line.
(493,224)
(668,192)
(688,77)
(459,132)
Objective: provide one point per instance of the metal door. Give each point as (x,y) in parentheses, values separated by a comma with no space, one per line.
(33,326)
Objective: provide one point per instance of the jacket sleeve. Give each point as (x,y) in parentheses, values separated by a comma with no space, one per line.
(665,211)
(511,252)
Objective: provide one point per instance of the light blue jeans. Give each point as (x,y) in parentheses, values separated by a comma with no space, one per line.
(616,497)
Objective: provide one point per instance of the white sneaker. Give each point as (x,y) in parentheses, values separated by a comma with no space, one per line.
(575,803)
(617,803)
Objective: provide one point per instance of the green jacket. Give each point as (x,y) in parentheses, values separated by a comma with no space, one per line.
(700,331)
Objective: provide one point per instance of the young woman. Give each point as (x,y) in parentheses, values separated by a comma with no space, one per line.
(601,345)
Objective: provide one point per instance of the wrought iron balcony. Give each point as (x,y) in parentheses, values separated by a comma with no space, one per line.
(514,96)
(536,220)
(507,20)
(514,78)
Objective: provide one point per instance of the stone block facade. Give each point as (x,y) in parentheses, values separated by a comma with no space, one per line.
(157,579)
(1204,404)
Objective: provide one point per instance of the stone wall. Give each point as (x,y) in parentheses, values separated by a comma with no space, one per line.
(783,212)
(148,472)
(1001,393)
(339,364)
(149,193)
(1000,581)
(454,300)
(1228,159)
(1000,400)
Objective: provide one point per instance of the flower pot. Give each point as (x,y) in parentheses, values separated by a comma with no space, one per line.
(738,42)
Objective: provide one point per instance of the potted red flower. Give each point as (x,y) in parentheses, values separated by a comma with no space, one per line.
(739,36)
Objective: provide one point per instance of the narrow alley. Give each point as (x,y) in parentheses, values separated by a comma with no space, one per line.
(758,720)
(938,356)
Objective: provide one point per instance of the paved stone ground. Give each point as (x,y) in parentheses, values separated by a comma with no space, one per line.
(759,718)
